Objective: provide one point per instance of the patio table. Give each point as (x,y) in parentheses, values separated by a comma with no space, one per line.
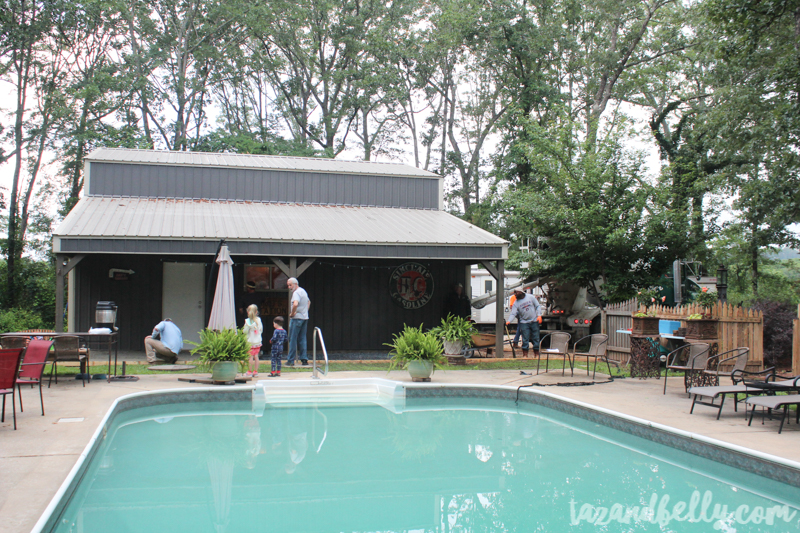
(108,340)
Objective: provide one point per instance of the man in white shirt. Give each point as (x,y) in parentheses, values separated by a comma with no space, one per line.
(298,323)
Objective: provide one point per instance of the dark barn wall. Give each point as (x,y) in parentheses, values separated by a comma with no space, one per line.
(350,300)
(138,298)
(353,308)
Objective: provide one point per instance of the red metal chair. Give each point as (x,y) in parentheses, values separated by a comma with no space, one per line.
(9,368)
(32,368)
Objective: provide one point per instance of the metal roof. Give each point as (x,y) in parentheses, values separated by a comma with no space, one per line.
(261,162)
(169,219)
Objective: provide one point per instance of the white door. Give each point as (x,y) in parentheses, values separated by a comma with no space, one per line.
(183,298)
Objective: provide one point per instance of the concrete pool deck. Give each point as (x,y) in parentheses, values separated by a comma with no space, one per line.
(35,459)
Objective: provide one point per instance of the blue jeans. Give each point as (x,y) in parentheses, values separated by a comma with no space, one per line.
(530,333)
(297,335)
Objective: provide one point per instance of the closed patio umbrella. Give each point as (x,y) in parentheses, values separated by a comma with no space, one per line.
(223,311)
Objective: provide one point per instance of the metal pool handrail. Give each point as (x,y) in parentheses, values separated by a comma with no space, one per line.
(318,333)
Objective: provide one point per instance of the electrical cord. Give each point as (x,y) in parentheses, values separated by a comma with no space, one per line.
(570,384)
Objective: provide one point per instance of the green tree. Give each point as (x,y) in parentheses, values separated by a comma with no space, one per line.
(757,76)
(603,225)
(174,47)
(323,64)
(95,87)
(32,63)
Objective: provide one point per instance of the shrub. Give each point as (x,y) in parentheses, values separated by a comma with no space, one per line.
(16,319)
(778,318)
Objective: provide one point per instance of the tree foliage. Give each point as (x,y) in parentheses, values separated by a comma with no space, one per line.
(523,107)
(601,225)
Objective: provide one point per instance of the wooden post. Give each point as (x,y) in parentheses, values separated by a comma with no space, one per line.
(499,307)
(64,264)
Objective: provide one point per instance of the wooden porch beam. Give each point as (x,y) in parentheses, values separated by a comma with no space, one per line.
(64,264)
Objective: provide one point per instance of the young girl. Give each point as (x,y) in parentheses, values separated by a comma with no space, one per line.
(253,328)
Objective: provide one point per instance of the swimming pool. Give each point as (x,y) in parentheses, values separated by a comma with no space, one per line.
(374,455)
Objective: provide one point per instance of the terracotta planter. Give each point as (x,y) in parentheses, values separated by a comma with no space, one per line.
(224,370)
(420,369)
(647,325)
(705,328)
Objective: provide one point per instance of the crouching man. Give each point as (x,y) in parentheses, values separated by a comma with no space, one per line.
(165,342)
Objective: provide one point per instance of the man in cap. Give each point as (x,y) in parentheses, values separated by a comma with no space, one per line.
(527,311)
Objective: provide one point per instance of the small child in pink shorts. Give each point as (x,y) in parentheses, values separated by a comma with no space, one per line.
(253,328)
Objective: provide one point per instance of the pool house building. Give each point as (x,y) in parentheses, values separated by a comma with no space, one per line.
(370,242)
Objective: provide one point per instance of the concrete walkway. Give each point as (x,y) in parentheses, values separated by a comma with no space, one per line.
(35,459)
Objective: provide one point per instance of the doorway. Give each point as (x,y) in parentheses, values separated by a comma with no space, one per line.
(184,299)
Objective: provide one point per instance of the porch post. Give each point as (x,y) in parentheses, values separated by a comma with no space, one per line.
(64,264)
(499,307)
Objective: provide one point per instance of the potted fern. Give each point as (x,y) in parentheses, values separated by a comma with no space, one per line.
(222,351)
(417,351)
(455,332)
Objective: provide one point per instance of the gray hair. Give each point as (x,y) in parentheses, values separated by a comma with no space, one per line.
(293,281)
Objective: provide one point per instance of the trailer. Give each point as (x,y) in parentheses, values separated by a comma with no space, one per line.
(565,306)
(483,287)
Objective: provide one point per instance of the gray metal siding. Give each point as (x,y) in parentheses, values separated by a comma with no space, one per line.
(214,183)
(296,249)
(260,162)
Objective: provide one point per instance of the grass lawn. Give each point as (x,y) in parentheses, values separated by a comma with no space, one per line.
(527,365)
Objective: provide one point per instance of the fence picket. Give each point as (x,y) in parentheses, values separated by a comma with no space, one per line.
(738,326)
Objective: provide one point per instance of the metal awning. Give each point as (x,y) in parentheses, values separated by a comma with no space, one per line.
(181,226)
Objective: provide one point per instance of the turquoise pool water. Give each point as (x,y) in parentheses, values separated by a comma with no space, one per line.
(468,466)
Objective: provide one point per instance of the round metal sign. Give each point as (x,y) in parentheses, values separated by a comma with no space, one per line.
(411,285)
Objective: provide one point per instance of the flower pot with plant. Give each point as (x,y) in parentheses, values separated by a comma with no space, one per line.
(455,332)
(645,322)
(703,325)
(417,351)
(223,352)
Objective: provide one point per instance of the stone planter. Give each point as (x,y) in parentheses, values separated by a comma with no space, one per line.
(705,328)
(224,370)
(420,370)
(452,347)
(452,350)
(647,325)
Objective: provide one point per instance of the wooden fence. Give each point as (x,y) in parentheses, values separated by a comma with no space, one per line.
(738,326)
